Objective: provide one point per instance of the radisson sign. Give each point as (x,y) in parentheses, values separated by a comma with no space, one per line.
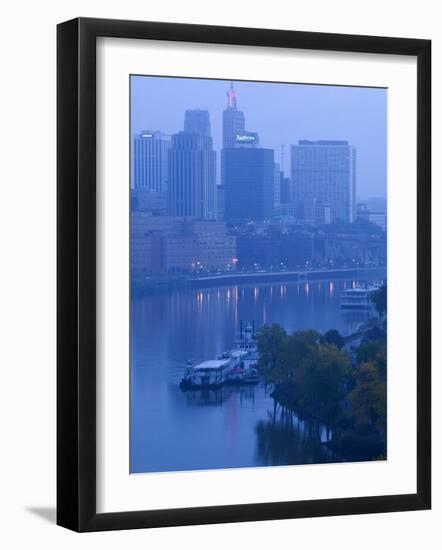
(245,138)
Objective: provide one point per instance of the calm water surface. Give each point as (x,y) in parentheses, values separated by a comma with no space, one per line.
(234,426)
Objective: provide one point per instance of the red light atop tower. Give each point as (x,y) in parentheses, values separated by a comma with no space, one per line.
(231,98)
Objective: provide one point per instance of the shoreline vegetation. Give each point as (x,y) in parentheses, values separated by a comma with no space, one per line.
(333,381)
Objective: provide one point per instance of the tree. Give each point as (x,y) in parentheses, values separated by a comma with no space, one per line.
(333,337)
(368,399)
(271,342)
(299,346)
(376,333)
(371,350)
(379,298)
(321,381)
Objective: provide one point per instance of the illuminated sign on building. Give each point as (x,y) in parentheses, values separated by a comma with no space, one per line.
(146,135)
(246,138)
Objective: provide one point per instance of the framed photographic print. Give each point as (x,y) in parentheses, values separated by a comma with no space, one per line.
(233,204)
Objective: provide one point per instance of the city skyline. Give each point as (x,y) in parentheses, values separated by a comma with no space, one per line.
(258,298)
(357,115)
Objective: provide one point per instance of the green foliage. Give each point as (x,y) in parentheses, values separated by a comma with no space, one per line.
(313,375)
(300,344)
(321,381)
(309,373)
(299,347)
(379,298)
(374,351)
(368,399)
(333,337)
(271,345)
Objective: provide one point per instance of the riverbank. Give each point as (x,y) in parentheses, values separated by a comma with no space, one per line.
(317,378)
(235,427)
(167,283)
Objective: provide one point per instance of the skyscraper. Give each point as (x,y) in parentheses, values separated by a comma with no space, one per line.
(276,189)
(247,172)
(249,184)
(197,121)
(192,172)
(324,175)
(150,161)
(233,124)
(233,120)
(286,189)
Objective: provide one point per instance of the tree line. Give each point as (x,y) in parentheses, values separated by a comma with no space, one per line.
(326,380)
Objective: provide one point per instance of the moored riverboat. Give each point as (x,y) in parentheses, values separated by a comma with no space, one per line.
(358,298)
(237,366)
(207,374)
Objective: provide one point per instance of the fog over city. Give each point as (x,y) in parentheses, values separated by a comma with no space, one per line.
(258,264)
(280,113)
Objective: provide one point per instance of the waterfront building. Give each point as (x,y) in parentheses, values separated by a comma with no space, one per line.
(276,189)
(379,218)
(146,234)
(197,121)
(323,213)
(324,172)
(150,161)
(249,184)
(145,222)
(167,244)
(192,173)
(148,201)
(179,252)
(293,209)
(145,254)
(275,250)
(344,249)
(220,201)
(216,249)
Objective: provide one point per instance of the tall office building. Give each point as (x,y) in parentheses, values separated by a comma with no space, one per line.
(197,121)
(324,175)
(233,120)
(192,173)
(286,189)
(233,125)
(276,189)
(150,161)
(249,184)
(220,201)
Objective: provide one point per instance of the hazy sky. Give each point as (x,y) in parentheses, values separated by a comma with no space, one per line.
(280,113)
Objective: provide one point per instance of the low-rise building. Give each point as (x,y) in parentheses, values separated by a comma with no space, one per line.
(216,249)
(290,249)
(179,253)
(148,201)
(168,244)
(351,249)
(379,218)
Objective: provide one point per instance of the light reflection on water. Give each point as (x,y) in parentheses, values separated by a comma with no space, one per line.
(235,427)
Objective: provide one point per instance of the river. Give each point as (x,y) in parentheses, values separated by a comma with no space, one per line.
(233,427)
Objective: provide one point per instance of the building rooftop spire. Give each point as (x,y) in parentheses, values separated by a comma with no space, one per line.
(231,98)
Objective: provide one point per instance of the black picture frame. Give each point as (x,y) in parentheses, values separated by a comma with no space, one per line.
(77,287)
